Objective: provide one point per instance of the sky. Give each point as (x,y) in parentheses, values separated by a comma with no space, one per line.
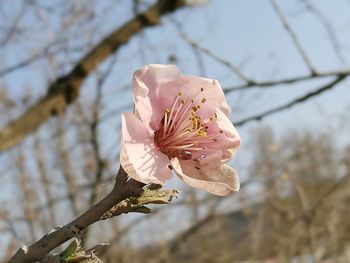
(247,33)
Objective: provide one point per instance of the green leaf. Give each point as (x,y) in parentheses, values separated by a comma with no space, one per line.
(155,197)
(73,248)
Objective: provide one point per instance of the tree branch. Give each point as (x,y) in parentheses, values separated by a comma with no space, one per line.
(66,89)
(290,104)
(293,36)
(268,84)
(123,189)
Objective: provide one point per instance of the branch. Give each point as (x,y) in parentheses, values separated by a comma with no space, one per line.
(328,28)
(293,36)
(65,90)
(127,196)
(123,189)
(137,204)
(290,104)
(268,84)
(234,68)
(251,82)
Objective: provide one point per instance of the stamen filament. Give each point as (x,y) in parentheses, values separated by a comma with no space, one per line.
(184,130)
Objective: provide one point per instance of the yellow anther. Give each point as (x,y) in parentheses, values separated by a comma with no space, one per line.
(166,110)
(201,133)
(194,109)
(195,123)
(203,100)
(180,93)
(192,100)
(182,101)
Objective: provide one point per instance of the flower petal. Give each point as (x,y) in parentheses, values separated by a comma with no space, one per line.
(147,83)
(219,181)
(226,145)
(138,154)
(231,139)
(156,86)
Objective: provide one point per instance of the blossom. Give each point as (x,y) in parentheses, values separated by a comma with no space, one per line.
(179,123)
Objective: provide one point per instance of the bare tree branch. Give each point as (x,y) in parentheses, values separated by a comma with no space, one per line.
(66,89)
(328,27)
(293,36)
(269,84)
(290,104)
(123,189)
(212,55)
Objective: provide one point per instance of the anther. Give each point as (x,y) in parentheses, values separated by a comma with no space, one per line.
(180,93)
(166,110)
(203,100)
(201,133)
(202,89)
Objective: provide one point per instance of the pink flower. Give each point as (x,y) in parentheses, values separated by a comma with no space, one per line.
(180,123)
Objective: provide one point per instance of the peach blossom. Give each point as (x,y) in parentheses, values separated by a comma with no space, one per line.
(180,123)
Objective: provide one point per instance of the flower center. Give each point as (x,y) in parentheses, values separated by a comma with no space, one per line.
(183,131)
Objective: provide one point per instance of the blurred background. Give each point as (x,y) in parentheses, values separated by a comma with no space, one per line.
(284,66)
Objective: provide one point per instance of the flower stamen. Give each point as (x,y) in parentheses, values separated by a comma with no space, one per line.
(183,130)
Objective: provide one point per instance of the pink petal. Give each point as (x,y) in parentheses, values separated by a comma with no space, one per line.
(147,83)
(215,98)
(231,139)
(156,86)
(219,181)
(226,146)
(138,154)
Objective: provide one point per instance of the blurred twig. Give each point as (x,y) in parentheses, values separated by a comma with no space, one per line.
(290,104)
(66,89)
(293,37)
